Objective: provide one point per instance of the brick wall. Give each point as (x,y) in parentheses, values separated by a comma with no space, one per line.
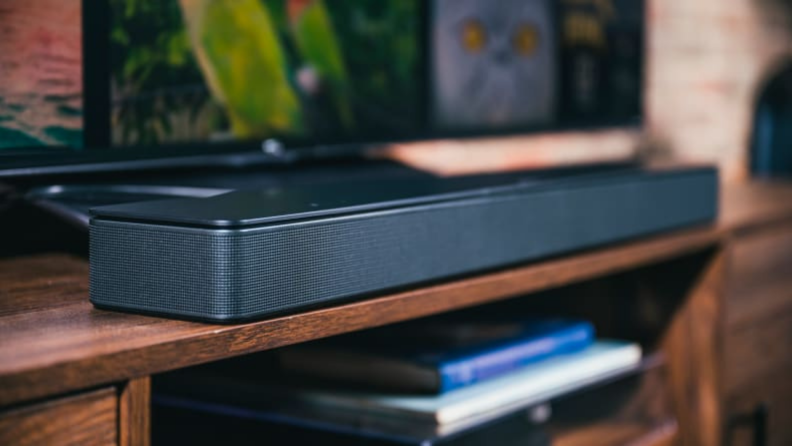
(707,59)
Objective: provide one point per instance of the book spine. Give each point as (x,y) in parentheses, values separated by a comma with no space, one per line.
(481,367)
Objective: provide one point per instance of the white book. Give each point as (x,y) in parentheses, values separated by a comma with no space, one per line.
(530,385)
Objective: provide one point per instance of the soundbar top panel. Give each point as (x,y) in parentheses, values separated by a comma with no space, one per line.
(281,204)
(257,207)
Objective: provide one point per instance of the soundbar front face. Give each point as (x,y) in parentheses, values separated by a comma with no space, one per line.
(239,269)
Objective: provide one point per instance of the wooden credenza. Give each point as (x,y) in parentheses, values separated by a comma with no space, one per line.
(715,303)
(757,343)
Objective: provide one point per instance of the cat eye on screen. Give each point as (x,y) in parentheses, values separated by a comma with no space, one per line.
(474,36)
(525,40)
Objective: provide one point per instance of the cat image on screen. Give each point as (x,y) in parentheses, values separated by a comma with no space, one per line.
(493,63)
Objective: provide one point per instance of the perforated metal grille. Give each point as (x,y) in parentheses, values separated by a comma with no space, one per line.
(247,273)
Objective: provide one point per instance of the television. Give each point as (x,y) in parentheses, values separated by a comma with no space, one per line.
(207,82)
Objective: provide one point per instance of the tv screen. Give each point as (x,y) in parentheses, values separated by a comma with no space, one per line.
(330,71)
(165,78)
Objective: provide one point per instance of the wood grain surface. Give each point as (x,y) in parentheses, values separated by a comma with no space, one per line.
(134,409)
(760,278)
(693,348)
(85,419)
(745,208)
(757,359)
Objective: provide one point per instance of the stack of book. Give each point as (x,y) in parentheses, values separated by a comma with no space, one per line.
(431,381)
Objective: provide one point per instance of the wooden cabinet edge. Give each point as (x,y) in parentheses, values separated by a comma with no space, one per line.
(134,412)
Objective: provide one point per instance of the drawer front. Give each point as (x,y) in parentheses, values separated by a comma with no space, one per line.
(758,371)
(760,278)
(758,335)
(87,419)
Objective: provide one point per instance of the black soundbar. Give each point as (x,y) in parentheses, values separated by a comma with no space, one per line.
(250,254)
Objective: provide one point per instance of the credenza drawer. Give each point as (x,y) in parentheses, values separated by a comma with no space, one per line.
(89,418)
(758,335)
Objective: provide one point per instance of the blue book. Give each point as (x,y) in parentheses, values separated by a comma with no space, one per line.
(437,356)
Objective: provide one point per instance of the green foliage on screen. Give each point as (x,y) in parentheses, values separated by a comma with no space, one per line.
(171,84)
